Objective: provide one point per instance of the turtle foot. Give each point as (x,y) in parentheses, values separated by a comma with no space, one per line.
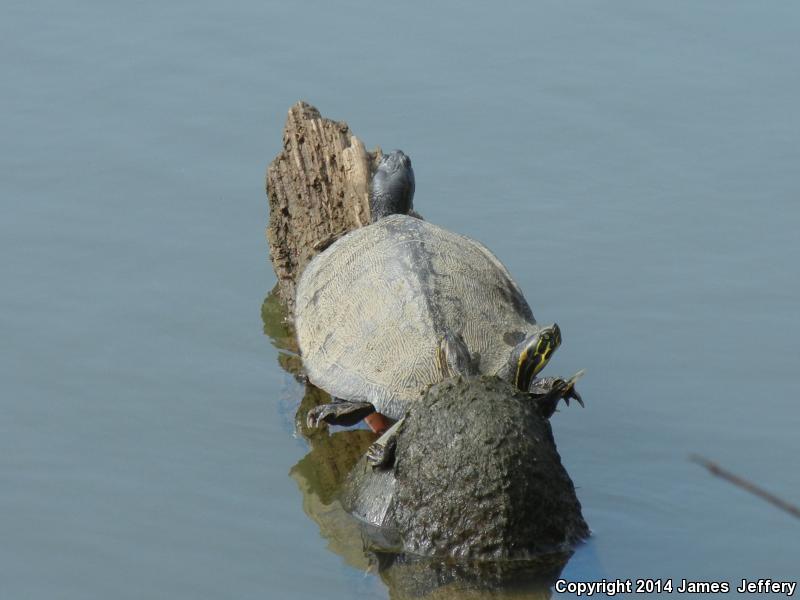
(381,453)
(339,413)
(549,390)
(381,456)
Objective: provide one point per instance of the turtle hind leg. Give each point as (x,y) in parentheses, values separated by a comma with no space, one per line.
(382,451)
(339,412)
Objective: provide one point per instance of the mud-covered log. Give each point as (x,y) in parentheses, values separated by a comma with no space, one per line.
(318,189)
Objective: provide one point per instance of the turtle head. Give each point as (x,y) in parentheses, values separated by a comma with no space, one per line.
(392,190)
(531,355)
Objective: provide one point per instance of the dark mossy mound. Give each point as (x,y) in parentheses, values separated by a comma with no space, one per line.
(476,475)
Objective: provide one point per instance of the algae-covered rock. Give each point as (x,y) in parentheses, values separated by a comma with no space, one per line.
(476,475)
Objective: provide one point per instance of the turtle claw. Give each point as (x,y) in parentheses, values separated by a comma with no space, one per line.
(382,451)
(316,416)
(573,393)
(381,456)
(570,391)
(549,390)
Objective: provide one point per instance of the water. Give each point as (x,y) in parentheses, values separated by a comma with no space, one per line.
(635,166)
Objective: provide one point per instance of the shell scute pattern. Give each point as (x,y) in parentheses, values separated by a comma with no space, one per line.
(373,307)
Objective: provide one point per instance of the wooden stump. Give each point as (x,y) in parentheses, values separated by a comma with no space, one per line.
(318,189)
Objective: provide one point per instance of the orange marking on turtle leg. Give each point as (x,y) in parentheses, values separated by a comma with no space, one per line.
(378,422)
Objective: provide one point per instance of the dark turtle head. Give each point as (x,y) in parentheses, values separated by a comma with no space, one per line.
(530,356)
(392,186)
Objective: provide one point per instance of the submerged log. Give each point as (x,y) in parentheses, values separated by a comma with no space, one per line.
(318,190)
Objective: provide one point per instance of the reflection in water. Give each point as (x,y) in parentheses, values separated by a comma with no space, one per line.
(320,475)
(279,330)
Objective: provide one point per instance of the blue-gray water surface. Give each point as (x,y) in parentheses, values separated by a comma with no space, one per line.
(635,165)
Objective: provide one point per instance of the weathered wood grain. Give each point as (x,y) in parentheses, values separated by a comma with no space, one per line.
(318,189)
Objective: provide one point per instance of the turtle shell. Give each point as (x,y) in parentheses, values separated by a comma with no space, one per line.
(372,309)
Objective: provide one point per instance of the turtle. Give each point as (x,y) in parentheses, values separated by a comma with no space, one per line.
(391,308)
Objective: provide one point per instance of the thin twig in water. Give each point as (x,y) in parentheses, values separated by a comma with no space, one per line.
(715,469)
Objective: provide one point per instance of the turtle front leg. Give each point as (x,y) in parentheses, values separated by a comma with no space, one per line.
(382,451)
(339,412)
(547,391)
